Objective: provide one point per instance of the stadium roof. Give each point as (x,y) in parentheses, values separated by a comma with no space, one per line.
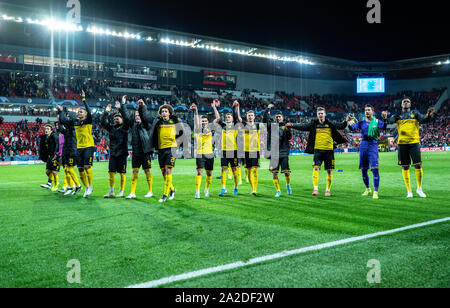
(116,39)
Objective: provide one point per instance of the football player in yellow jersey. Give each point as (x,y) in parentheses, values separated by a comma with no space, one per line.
(204,154)
(409,143)
(252,146)
(85,143)
(323,135)
(163,138)
(229,146)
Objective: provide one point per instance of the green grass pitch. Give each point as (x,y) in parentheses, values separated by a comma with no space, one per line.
(125,242)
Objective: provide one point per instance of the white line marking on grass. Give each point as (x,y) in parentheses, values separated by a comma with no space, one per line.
(283,254)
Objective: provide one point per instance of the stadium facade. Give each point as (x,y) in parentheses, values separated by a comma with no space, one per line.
(105,49)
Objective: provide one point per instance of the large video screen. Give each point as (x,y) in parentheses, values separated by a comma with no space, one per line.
(370,85)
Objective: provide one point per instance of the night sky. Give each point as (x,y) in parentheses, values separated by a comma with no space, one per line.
(409,29)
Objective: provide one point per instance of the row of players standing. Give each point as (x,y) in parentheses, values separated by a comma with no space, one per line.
(159,133)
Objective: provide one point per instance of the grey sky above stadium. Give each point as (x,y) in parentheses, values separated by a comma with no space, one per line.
(330,28)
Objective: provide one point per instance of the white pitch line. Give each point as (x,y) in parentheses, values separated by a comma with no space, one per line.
(283,254)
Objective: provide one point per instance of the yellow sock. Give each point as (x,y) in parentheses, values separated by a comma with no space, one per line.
(407,179)
(208,181)
(73,177)
(66,179)
(112,179)
(236,178)
(329,181)
(134,181)
(56,178)
(123,180)
(70,180)
(50,177)
(171,183)
(419,177)
(167,184)
(316,179)
(255,178)
(149,180)
(230,173)
(250,179)
(198,182)
(276,182)
(83,177)
(224,179)
(90,177)
(246,173)
(239,174)
(288,178)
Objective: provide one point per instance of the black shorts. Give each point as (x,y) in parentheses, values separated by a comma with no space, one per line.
(118,164)
(324,156)
(205,163)
(251,161)
(166,159)
(85,157)
(408,152)
(141,159)
(69,160)
(53,165)
(281,162)
(229,159)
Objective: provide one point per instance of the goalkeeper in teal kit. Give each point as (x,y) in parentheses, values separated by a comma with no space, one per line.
(368,151)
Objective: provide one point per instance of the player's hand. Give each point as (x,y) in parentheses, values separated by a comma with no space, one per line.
(83,94)
(235,104)
(59,107)
(384,114)
(289,125)
(193,107)
(108,108)
(124,99)
(216,103)
(271,106)
(430,112)
(348,118)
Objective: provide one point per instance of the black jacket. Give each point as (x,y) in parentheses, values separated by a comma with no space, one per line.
(284,136)
(311,128)
(140,133)
(70,139)
(154,123)
(118,136)
(48,147)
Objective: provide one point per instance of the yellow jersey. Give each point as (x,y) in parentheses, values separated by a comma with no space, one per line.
(167,135)
(251,138)
(324,138)
(408,127)
(229,135)
(204,142)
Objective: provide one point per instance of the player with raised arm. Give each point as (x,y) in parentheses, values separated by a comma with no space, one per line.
(368,151)
(69,157)
(85,143)
(163,138)
(323,135)
(252,147)
(229,147)
(205,154)
(409,143)
(279,157)
(142,153)
(118,139)
(48,153)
